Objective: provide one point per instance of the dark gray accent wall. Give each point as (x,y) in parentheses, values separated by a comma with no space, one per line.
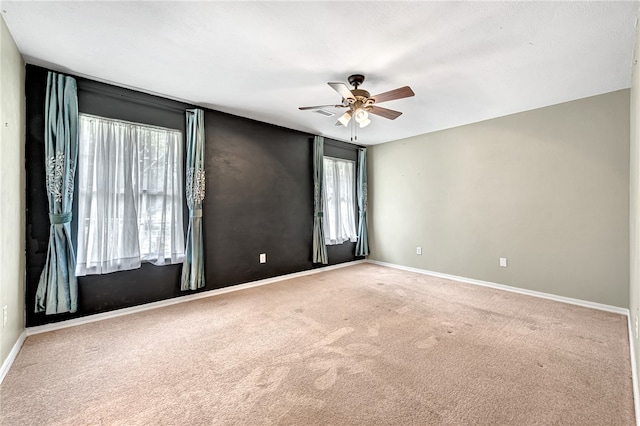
(259,200)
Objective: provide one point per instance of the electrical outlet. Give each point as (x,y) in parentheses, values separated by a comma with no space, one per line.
(503,262)
(263,257)
(5,316)
(418,250)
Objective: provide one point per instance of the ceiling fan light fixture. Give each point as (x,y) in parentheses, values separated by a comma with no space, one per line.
(361,115)
(345,118)
(364,123)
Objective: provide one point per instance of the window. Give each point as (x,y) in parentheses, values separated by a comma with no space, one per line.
(130,196)
(339,201)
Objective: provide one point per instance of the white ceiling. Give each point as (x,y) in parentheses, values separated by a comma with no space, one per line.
(466,61)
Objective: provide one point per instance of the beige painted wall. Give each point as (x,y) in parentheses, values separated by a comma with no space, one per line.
(548,189)
(634,203)
(12,191)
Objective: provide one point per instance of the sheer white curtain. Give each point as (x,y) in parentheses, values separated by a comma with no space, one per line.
(339,201)
(130,196)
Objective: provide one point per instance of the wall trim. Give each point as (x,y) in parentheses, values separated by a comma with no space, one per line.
(634,371)
(180,299)
(6,365)
(569,300)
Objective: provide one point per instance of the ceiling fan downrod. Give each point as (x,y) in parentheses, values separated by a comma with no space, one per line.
(356,80)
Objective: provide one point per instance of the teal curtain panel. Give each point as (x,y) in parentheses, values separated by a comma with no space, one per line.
(319,247)
(193,266)
(362,246)
(58,286)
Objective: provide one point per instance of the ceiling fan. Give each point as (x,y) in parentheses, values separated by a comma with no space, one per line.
(360,103)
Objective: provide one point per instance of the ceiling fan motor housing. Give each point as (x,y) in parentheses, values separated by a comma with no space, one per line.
(359,93)
(362,100)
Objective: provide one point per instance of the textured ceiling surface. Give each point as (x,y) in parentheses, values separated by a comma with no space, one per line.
(465,61)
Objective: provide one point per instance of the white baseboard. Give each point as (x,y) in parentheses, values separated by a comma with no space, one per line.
(634,372)
(579,302)
(6,365)
(181,299)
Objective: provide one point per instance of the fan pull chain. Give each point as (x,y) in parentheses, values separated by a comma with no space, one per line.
(351,131)
(354,131)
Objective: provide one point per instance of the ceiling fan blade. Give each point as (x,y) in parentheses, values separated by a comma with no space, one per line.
(385,112)
(320,107)
(344,120)
(402,92)
(342,89)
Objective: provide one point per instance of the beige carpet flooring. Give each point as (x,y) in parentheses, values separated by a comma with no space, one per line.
(362,345)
